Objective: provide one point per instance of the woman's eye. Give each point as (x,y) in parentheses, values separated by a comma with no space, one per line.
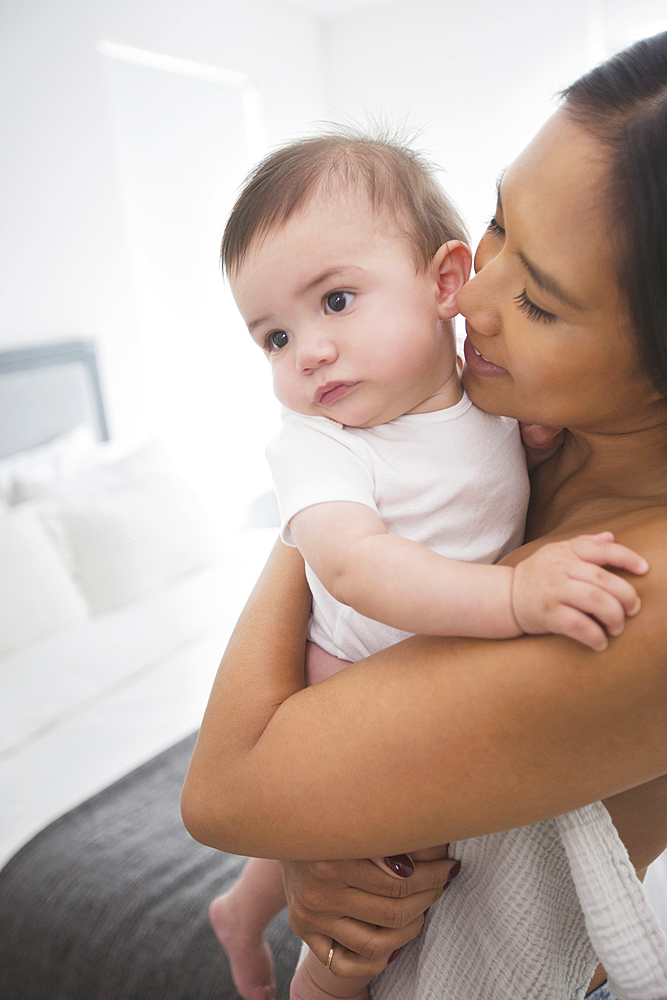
(494,227)
(532,311)
(336,302)
(276,340)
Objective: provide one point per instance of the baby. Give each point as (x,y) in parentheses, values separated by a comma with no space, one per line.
(345,259)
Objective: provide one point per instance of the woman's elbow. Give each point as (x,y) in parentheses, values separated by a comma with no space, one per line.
(204,818)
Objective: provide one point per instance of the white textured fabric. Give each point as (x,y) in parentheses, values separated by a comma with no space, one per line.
(623,928)
(529,917)
(510,927)
(454,480)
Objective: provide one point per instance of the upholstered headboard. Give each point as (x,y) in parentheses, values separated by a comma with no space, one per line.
(46,391)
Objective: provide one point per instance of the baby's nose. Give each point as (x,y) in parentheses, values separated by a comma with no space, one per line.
(315,351)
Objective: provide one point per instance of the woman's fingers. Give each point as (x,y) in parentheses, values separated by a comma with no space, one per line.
(369,877)
(398,865)
(316,910)
(376,944)
(371,912)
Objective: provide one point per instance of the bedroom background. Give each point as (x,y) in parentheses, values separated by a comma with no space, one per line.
(128,126)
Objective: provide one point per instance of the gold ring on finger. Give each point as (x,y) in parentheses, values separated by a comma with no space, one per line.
(331,953)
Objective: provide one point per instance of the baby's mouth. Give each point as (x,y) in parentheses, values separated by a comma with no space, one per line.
(331,391)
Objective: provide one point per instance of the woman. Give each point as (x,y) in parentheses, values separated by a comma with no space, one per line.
(440,740)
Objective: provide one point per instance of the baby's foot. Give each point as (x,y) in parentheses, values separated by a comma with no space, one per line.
(305,987)
(250,958)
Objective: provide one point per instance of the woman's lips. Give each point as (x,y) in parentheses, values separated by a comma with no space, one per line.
(331,391)
(477,363)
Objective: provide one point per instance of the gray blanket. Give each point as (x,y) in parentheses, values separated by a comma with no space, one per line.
(110,901)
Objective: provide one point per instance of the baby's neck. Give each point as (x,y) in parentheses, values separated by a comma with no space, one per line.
(446,395)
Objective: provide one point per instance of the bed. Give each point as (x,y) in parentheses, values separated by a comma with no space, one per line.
(116,601)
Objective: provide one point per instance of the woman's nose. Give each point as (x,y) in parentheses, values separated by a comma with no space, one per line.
(314,351)
(478,302)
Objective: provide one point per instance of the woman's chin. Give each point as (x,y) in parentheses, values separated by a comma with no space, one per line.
(488,394)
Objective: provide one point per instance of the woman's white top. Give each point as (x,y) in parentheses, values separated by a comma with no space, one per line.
(454,480)
(529,917)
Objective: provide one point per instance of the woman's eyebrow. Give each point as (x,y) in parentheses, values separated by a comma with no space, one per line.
(543,280)
(549,284)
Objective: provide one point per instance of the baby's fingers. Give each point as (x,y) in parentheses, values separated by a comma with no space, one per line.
(606,583)
(578,625)
(604,551)
(598,602)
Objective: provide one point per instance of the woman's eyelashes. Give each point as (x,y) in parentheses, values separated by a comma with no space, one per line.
(276,340)
(526,305)
(532,311)
(338,301)
(494,227)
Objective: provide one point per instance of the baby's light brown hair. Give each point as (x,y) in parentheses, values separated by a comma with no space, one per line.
(397,180)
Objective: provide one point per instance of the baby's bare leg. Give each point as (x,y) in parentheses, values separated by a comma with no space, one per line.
(312,981)
(320,664)
(239,919)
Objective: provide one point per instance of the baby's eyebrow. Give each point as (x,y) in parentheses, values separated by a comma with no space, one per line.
(257,322)
(331,272)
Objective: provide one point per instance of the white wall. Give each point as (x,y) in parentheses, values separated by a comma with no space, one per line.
(475,77)
(65,267)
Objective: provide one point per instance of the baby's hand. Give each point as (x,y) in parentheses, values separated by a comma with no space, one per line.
(540,443)
(563,588)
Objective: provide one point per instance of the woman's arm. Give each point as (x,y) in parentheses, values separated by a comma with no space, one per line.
(429,741)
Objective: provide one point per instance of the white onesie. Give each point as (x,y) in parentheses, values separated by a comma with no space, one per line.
(454,480)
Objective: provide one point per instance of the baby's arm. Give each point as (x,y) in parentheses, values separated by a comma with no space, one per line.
(404,584)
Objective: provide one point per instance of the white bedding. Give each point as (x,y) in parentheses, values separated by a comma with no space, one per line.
(86,704)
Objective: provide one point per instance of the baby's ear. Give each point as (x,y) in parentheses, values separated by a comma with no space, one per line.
(451,266)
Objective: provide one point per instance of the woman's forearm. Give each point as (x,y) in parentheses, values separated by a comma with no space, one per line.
(262,666)
(429,741)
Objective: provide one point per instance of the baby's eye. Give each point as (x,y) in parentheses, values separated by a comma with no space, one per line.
(276,340)
(336,302)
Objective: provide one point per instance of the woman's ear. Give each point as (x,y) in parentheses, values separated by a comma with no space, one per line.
(451,268)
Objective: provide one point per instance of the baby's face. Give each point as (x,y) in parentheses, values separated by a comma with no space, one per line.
(352,331)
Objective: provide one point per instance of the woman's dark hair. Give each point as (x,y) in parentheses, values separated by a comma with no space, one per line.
(623,104)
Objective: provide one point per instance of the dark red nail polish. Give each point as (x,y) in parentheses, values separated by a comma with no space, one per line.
(393,956)
(454,870)
(401,865)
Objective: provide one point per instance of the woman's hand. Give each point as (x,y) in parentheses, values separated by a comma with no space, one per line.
(368,912)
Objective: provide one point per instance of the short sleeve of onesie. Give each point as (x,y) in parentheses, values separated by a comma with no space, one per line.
(314,460)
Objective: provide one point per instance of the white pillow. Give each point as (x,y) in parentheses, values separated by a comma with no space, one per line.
(126,529)
(37,594)
(57,458)
(108,467)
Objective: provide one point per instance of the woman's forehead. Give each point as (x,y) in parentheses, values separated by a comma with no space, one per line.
(556,210)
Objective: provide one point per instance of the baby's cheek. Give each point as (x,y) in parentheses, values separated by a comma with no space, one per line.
(285,391)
